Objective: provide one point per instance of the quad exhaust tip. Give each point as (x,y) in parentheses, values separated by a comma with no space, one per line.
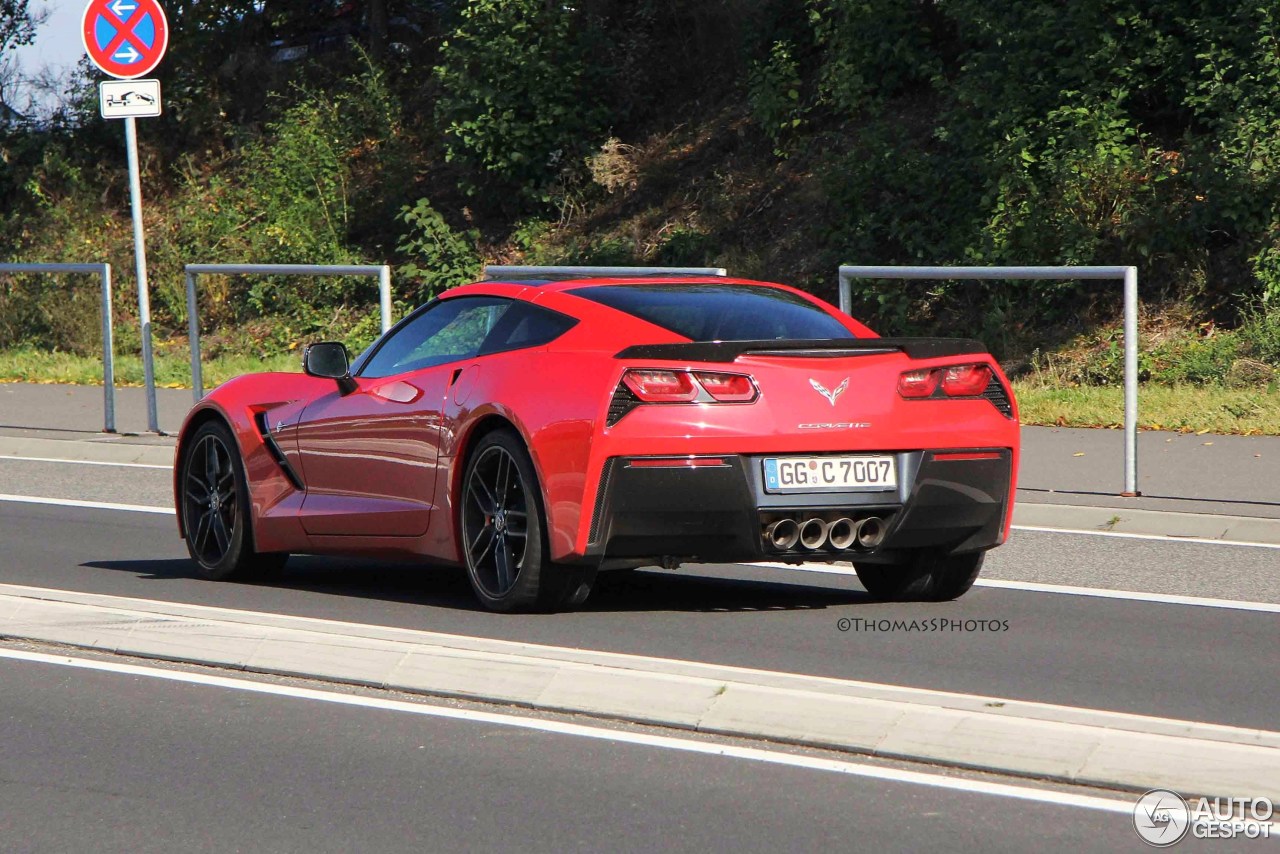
(842,533)
(813,533)
(871,531)
(783,534)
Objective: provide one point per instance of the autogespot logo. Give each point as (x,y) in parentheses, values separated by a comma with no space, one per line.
(1161,818)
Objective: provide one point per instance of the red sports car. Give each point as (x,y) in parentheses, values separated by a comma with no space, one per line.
(549,423)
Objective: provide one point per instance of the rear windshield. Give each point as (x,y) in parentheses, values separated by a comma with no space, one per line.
(707,312)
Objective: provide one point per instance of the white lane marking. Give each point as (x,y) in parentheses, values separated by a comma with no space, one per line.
(1164,538)
(1132,595)
(92,505)
(855,769)
(6,457)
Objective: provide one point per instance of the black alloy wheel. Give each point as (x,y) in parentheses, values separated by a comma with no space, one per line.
(503,538)
(215,499)
(496,521)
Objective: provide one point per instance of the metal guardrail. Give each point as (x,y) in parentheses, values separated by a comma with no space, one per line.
(1129,275)
(382,271)
(103,271)
(495,271)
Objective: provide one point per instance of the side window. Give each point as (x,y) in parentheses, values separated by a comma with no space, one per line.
(449,331)
(526,326)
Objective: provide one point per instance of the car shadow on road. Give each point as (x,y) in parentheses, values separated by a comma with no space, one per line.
(642,590)
(447,587)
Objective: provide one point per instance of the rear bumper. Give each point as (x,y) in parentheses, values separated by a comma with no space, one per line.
(716,509)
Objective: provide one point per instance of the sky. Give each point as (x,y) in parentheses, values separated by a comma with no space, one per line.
(58,42)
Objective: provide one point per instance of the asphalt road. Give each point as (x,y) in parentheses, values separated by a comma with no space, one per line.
(1206,664)
(111,762)
(99,761)
(1188,569)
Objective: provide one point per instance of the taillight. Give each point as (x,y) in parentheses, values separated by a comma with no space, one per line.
(661,386)
(965,380)
(728,388)
(955,381)
(664,386)
(918,383)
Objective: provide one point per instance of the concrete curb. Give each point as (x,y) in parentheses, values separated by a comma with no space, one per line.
(1074,745)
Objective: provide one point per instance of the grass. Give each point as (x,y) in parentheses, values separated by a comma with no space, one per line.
(173,370)
(1185,408)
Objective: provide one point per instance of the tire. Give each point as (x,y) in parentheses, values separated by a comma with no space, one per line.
(502,533)
(929,577)
(215,509)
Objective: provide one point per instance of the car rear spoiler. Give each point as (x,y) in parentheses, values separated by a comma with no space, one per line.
(728,351)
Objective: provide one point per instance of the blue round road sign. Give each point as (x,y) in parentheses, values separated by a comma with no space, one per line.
(125,38)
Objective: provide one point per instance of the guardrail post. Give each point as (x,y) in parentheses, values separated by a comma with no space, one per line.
(384,295)
(103,272)
(1131,382)
(193,337)
(1129,275)
(108,355)
(382,272)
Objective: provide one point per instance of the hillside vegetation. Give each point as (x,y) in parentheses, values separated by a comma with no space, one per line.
(778,138)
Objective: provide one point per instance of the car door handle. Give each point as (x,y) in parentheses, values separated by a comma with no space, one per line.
(457,372)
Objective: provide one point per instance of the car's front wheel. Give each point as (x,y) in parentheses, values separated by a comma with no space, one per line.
(930,576)
(503,533)
(215,509)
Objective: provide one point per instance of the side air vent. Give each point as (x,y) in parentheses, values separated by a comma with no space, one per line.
(602,495)
(995,392)
(264,430)
(624,400)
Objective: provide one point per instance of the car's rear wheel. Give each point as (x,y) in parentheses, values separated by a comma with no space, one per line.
(503,533)
(215,509)
(930,576)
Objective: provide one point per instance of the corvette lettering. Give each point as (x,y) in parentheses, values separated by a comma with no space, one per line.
(836,425)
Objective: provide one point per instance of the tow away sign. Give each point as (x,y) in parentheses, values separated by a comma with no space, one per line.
(122,99)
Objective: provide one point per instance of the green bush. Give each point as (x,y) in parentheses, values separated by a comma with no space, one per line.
(1095,132)
(870,50)
(295,196)
(440,257)
(773,90)
(518,101)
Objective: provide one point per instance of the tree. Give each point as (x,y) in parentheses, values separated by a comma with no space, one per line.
(519,98)
(17,28)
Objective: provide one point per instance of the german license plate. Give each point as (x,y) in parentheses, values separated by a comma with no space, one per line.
(822,474)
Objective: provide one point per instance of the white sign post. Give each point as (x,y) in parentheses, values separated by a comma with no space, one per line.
(127,39)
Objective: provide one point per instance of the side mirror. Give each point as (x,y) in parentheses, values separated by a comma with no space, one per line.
(329,359)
